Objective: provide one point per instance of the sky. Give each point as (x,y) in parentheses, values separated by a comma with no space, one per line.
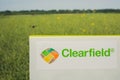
(57,4)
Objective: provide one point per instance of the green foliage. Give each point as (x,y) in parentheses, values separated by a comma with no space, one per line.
(33,12)
(15,31)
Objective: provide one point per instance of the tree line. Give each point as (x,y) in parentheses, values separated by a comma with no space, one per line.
(34,12)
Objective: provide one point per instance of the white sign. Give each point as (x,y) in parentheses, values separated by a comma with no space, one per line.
(73,52)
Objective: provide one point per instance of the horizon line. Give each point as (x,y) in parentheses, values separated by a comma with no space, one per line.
(58,9)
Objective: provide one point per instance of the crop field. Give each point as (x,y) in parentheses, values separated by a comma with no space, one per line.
(15,31)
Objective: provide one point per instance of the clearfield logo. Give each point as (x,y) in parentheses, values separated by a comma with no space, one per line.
(50,55)
(92,52)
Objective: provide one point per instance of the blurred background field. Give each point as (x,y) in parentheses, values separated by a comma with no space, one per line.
(16,29)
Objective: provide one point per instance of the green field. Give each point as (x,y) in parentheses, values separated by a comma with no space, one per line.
(15,31)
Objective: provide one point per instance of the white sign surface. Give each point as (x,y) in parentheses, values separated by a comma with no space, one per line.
(73,53)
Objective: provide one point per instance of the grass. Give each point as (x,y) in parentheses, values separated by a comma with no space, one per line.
(15,31)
